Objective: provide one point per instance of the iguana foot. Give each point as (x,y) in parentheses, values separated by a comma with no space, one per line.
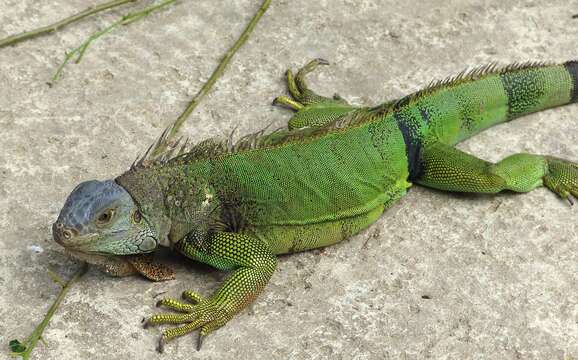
(562,178)
(206,314)
(312,110)
(300,92)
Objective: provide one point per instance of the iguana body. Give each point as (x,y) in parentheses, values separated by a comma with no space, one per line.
(332,174)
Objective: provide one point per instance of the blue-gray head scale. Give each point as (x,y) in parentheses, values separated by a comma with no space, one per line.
(101,217)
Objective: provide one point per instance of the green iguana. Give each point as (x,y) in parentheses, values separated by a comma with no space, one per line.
(332,173)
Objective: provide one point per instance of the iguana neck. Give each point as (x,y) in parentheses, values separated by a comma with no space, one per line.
(177,199)
(148,193)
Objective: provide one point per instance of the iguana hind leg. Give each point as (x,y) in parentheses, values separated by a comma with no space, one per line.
(447,168)
(313,110)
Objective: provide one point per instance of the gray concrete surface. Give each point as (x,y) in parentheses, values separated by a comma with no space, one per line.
(439,276)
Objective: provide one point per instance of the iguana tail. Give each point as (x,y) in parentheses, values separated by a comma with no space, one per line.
(462,106)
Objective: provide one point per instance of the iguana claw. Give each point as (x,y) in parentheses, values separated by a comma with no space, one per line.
(161,345)
(200,342)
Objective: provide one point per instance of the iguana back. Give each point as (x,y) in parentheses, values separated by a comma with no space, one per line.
(356,162)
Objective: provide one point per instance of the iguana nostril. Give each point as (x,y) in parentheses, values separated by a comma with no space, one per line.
(60,233)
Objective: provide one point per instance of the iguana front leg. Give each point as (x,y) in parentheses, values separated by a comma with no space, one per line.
(313,110)
(447,168)
(252,263)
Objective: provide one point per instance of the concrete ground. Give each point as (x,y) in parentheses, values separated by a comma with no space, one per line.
(439,276)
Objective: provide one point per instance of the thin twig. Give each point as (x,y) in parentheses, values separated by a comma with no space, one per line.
(176,125)
(11,40)
(55,278)
(25,348)
(125,20)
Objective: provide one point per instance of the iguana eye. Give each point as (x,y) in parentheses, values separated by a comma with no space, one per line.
(105,217)
(136,216)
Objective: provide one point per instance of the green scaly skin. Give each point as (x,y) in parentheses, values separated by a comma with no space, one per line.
(332,174)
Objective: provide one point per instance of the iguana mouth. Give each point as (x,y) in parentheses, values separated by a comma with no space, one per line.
(115,265)
(97,259)
(124,265)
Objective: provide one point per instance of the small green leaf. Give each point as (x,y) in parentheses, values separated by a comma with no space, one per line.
(16,346)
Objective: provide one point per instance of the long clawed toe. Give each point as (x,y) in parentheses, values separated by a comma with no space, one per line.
(565,193)
(175,305)
(308,68)
(570,195)
(287,102)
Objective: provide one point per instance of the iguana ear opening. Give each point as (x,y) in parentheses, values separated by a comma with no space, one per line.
(148,244)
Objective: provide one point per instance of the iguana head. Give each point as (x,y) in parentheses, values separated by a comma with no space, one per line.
(101,218)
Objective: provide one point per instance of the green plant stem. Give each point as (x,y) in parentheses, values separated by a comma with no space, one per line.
(14,39)
(125,20)
(176,125)
(36,335)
